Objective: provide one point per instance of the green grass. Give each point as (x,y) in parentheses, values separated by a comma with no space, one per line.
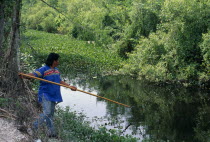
(74,53)
(72,127)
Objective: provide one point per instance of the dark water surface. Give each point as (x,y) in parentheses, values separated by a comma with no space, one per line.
(158,113)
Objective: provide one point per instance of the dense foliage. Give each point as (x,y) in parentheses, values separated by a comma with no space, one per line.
(175,51)
(167,40)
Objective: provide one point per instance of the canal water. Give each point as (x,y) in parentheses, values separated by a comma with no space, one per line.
(157,113)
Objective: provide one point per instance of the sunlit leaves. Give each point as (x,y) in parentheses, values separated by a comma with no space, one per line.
(205,49)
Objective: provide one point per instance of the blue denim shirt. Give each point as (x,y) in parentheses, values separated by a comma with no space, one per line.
(50,91)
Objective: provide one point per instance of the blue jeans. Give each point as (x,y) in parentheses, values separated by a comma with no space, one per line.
(46,117)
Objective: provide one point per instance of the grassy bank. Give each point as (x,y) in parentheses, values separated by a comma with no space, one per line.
(72,127)
(75,54)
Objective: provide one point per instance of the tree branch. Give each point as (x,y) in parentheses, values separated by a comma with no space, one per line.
(53,7)
(7,114)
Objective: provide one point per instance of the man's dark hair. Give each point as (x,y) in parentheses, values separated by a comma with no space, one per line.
(51,57)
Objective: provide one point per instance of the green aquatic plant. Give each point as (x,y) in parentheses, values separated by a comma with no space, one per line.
(75,54)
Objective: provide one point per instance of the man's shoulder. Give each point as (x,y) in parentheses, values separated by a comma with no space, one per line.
(45,67)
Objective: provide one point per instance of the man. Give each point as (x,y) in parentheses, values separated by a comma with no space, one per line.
(49,94)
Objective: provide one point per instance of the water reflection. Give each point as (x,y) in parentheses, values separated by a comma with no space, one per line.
(96,111)
(158,112)
(83,103)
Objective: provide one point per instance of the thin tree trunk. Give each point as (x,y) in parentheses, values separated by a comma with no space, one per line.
(11,58)
(10,45)
(1,29)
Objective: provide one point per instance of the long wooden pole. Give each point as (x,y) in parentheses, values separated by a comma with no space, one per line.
(71,88)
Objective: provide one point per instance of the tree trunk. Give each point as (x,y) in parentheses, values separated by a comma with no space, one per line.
(11,86)
(1,29)
(10,46)
(11,55)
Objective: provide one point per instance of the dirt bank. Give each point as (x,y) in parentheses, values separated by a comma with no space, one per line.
(9,133)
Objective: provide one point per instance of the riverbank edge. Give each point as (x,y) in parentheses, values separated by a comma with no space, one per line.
(12,129)
(9,132)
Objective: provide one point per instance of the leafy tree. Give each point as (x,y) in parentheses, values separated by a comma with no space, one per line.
(179,34)
(143,20)
(44,19)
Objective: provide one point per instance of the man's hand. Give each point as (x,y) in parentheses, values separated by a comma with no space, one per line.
(73,88)
(21,76)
